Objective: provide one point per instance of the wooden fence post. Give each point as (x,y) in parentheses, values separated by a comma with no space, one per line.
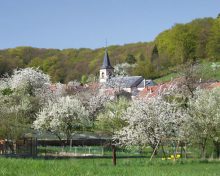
(114,155)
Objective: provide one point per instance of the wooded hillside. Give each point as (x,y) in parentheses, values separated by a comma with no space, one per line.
(198,40)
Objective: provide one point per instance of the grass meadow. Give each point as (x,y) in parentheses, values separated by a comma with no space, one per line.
(104,167)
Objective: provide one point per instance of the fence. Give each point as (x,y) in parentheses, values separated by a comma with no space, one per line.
(27,146)
(84,148)
(72,148)
(21,147)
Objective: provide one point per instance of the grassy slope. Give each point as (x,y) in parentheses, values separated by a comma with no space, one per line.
(166,78)
(206,70)
(103,167)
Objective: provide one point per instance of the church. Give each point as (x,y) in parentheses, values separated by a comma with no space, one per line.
(131,84)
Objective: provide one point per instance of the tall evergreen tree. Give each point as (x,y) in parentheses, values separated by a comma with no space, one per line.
(155,61)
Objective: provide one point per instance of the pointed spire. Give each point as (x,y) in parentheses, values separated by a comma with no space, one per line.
(106,62)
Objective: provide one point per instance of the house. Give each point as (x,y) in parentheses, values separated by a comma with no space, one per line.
(152,91)
(157,90)
(131,84)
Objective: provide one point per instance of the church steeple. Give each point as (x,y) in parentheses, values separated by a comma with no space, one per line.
(106,62)
(106,70)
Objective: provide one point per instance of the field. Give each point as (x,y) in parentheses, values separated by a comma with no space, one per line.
(104,167)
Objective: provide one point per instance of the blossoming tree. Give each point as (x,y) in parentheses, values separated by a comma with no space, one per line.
(205,119)
(150,121)
(110,120)
(21,96)
(63,117)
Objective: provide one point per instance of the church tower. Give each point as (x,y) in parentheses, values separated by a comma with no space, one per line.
(106,70)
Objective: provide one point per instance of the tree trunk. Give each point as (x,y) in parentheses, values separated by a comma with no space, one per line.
(155,148)
(61,141)
(164,153)
(203,148)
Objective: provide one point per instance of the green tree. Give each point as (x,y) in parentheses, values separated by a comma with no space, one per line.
(155,60)
(205,119)
(111,120)
(130,59)
(141,57)
(84,79)
(145,69)
(213,46)
(36,62)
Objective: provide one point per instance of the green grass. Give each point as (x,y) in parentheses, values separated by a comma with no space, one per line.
(206,71)
(104,167)
(166,78)
(209,72)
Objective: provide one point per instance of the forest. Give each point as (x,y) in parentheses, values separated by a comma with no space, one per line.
(198,40)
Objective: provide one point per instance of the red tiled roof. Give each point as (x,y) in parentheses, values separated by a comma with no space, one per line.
(214,85)
(93,86)
(152,91)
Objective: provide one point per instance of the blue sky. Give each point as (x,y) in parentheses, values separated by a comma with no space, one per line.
(87,23)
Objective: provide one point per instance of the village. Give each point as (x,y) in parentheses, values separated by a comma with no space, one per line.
(110,88)
(88,106)
(136,87)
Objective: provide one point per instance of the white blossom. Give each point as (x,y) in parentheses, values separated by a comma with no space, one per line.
(97,103)
(65,116)
(123,69)
(22,78)
(205,115)
(150,121)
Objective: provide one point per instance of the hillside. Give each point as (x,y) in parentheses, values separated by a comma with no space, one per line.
(198,40)
(68,64)
(207,71)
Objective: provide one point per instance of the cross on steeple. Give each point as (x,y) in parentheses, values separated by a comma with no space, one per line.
(106,43)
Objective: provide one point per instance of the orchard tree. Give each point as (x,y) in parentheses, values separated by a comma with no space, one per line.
(110,120)
(13,115)
(63,117)
(96,104)
(33,83)
(29,79)
(21,96)
(205,119)
(150,121)
(192,74)
(123,69)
